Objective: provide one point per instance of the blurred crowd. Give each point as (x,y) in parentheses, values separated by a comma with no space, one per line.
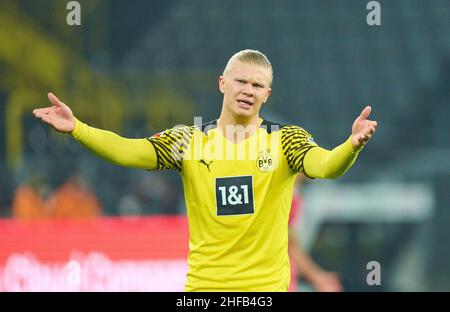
(79,196)
(73,199)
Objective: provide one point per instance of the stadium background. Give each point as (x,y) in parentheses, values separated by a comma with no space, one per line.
(137,67)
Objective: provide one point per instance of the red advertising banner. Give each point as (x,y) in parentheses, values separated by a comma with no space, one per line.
(103,254)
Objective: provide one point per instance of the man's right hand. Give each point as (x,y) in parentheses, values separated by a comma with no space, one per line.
(59,115)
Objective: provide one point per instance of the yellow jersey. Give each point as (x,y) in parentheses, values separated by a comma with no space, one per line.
(238,197)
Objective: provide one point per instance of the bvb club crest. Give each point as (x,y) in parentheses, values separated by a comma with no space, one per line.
(265,161)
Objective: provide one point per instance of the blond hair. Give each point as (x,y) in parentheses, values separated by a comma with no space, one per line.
(250,56)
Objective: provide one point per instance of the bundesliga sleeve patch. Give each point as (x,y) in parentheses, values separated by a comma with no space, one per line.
(311,140)
(234,196)
(157,135)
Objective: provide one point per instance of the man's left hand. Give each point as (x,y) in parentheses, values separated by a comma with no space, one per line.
(363,128)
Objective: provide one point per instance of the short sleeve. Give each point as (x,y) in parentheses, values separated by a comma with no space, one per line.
(296,142)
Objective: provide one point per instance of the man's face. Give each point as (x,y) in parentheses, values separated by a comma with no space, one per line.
(245,87)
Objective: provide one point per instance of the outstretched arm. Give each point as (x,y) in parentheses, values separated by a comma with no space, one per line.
(136,153)
(322,163)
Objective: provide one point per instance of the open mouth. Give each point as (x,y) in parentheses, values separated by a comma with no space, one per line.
(245,102)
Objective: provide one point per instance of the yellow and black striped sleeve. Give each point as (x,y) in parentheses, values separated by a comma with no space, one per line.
(304,155)
(170,146)
(296,142)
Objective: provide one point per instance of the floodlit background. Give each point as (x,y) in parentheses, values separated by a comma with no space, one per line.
(137,67)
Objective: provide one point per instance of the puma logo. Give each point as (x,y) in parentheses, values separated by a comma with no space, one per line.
(206,164)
